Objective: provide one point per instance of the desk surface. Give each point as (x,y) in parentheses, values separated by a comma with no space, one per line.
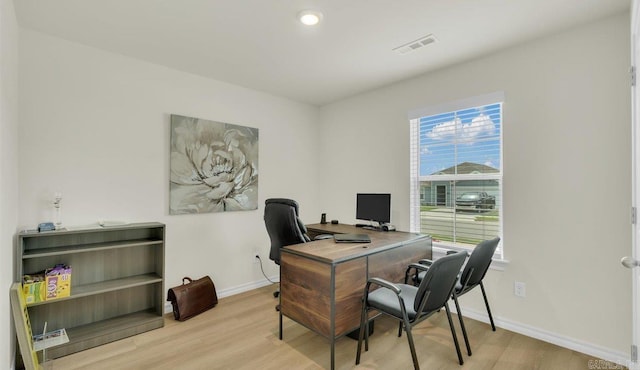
(329,251)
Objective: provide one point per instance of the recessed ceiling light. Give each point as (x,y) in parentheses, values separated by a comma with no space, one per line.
(310,17)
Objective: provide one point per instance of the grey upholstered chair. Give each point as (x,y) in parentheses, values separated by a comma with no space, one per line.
(411,304)
(470,277)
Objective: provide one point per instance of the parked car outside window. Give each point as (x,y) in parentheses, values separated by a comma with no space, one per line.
(475,201)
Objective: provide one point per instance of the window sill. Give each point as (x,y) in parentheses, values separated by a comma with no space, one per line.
(440,250)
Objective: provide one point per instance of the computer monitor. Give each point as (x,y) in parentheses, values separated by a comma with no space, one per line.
(373,207)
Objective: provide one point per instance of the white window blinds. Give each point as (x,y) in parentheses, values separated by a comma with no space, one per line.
(456,171)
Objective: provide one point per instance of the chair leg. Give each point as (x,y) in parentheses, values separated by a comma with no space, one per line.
(453,333)
(366,335)
(464,330)
(486,303)
(400,329)
(363,323)
(412,347)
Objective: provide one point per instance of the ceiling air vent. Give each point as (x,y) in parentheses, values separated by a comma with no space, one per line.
(415,44)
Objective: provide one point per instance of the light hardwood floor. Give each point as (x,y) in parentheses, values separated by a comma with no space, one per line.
(241,332)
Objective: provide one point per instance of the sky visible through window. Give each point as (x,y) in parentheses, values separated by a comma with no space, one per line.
(468,135)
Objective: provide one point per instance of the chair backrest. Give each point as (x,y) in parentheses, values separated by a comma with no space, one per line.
(439,282)
(283,225)
(479,262)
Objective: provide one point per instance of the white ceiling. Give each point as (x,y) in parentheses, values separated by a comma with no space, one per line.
(259,44)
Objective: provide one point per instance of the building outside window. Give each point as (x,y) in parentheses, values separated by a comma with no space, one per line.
(456,172)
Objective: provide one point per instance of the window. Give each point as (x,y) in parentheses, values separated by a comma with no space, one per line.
(456,171)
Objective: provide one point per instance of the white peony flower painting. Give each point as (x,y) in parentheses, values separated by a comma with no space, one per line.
(214,166)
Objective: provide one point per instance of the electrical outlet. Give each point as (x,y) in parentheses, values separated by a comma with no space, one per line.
(256,257)
(520,289)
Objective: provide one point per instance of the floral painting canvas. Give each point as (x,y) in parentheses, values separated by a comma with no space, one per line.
(214,166)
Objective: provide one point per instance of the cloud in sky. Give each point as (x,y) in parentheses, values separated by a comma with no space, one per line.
(468,133)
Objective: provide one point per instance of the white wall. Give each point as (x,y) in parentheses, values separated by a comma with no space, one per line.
(567,160)
(95,126)
(8,169)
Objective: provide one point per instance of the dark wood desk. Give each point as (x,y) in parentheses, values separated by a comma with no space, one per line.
(321,282)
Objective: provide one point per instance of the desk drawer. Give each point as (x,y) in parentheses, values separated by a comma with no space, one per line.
(305,292)
(350,280)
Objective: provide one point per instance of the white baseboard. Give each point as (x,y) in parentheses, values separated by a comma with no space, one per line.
(245,287)
(590,349)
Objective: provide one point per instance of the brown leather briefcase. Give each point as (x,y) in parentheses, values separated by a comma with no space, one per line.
(192,298)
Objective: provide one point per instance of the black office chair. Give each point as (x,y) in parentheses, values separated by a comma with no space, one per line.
(284,226)
(471,276)
(410,304)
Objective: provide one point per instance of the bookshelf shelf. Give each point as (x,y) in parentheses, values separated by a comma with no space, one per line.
(117,282)
(117,327)
(56,251)
(106,286)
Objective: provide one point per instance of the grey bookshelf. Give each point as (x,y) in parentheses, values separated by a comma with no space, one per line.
(117,282)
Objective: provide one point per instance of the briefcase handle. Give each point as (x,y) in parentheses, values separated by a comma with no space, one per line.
(186,278)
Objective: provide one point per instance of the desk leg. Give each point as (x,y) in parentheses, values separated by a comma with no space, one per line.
(333,353)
